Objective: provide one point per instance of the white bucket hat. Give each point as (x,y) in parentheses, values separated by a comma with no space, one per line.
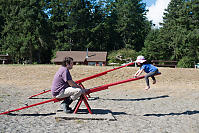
(140,59)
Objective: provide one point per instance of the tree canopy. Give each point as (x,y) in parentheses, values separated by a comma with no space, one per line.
(34,30)
(177,39)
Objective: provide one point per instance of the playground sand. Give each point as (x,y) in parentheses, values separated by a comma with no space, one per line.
(170,106)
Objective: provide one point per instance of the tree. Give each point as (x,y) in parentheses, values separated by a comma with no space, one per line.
(104,36)
(25,34)
(2,21)
(152,49)
(171,28)
(178,38)
(70,20)
(181,22)
(131,23)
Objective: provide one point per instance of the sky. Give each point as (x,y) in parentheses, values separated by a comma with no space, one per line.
(156,9)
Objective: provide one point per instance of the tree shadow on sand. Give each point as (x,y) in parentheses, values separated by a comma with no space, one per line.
(175,114)
(139,99)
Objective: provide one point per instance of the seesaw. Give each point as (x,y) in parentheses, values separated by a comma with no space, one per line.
(78,82)
(82,97)
(88,78)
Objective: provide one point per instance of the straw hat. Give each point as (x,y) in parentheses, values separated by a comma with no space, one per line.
(140,59)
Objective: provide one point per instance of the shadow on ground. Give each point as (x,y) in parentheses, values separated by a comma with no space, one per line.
(100,111)
(48,114)
(175,114)
(80,111)
(139,99)
(40,98)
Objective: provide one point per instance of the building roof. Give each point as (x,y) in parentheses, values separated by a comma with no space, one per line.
(80,56)
(4,55)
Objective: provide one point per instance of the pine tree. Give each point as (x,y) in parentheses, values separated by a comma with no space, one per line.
(131,23)
(179,34)
(25,34)
(103,36)
(192,7)
(2,21)
(70,20)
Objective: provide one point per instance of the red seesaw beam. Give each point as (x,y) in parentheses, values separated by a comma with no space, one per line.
(100,88)
(47,101)
(102,73)
(45,91)
(103,87)
(88,78)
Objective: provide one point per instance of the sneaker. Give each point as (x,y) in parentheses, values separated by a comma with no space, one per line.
(154,81)
(148,87)
(66,108)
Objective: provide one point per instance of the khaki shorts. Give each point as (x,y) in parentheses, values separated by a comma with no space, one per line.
(72,92)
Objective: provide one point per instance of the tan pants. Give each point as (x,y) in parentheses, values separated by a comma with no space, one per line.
(72,92)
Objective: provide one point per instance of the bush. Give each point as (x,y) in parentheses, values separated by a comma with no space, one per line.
(186,62)
(126,55)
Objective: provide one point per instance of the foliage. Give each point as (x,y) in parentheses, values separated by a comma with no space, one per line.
(131,23)
(70,22)
(122,56)
(153,48)
(186,62)
(177,39)
(34,31)
(25,32)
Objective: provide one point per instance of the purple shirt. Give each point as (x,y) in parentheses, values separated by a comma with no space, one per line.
(60,81)
(148,68)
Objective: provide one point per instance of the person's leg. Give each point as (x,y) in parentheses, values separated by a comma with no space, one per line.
(71,94)
(65,105)
(154,80)
(147,82)
(151,74)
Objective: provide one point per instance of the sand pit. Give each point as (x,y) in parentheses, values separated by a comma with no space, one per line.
(170,106)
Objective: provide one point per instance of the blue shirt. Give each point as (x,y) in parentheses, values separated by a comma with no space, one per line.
(148,68)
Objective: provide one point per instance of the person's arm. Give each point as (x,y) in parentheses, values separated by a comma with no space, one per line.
(73,84)
(138,72)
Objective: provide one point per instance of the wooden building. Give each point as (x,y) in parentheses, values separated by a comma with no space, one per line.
(5,59)
(82,57)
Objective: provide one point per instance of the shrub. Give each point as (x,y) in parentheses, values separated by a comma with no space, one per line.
(186,62)
(126,55)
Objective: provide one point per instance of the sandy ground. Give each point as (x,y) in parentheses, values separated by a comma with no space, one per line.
(170,106)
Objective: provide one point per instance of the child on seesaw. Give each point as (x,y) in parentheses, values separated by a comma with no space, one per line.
(148,68)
